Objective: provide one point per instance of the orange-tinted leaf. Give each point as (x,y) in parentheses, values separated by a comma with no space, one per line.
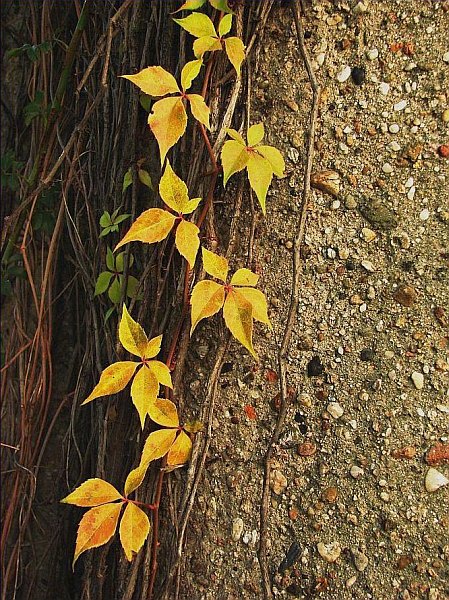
(157,445)
(187,241)
(215,265)
(274,157)
(206,300)
(113,379)
(134,530)
(161,371)
(190,5)
(92,493)
(153,347)
(173,190)
(236,136)
(181,450)
(208,43)
(255,134)
(96,527)
(259,303)
(197,24)
(132,337)
(260,175)
(152,226)
(190,71)
(168,122)
(144,390)
(225,25)
(238,316)
(234,158)
(235,49)
(154,81)
(135,478)
(163,412)
(199,109)
(244,277)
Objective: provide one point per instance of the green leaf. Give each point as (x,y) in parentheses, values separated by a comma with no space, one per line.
(145,178)
(146,102)
(110,259)
(119,262)
(131,290)
(114,291)
(108,314)
(102,283)
(190,72)
(121,218)
(127,179)
(105,219)
(197,24)
(221,5)
(106,231)
(255,134)
(190,5)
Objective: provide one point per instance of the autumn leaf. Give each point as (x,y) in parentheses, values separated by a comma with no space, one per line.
(190,5)
(238,316)
(244,277)
(92,492)
(154,81)
(113,379)
(187,241)
(197,24)
(97,527)
(206,300)
(235,50)
(168,122)
(163,412)
(161,372)
(157,445)
(259,303)
(215,265)
(135,478)
(180,451)
(153,225)
(173,190)
(144,390)
(134,530)
(132,336)
(234,158)
(199,109)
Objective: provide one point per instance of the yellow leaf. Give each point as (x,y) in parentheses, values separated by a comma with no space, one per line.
(168,122)
(206,300)
(238,316)
(152,226)
(199,109)
(157,445)
(225,25)
(154,81)
(274,157)
(163,412)
(190,72)
(260,175)
(131,335)
(191,205)
(173,190)
(205,44)
(92,493)
(234,158)
(113,379)
(255,134)
(190,5)
(236,136)
(161,372)
(96,527)
(197,24)
(187,241)
(144,390)
(259,303)
(215,265)
(235,49)
(153,347)
(181,450)
(244,277)
(135,478)
(134,530)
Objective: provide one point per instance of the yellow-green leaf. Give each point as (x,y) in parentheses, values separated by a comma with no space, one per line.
(163,412)
(274,157)
(96,527)
(113,379)
(134,530)
(168,122)
(157,445)
(206,300)
(225,25)
(260,175)
(190,72)
(191,205)
(221,5)
(187,241)
(234,158)
(199,109)
(161,372)
(135,478)
(153,347)
(238,316)
(255,134)
(145,178)
(190,5)
(132,337)
(244,277)
(173,190)
(235,49)
(152,226)
(144,390)
(207,43)
(181,450)
(236,136)
(154,81)
(92,492)
(197,24)
(215,265)
(259,303)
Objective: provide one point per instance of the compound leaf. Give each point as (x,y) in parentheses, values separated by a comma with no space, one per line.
(234,158)
(113,379)
(206,300)
(244,277)
(199,109)
(168,122)
(180,451)
(187,241)
(197,24)
(144,390)
(154,81)
(132,337)
(235,49)
(134,530)
(260,175)
(215,265)
(92,492)
(96,527)
(190,71)
(163,412)
(153,225)
(238,316)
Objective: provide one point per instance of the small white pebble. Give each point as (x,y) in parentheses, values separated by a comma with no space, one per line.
(344,74)
(387,168)
(424,214)
(418,380)
(368,266)
(356,471)
(410,181)
(320,58)
(372,54)
(394,128)
(446,57)
(400,105)
(363,307)
(394,146)
(331,253)
(384,88)
(411,193)
(336,204)
(435,480)
(414,129)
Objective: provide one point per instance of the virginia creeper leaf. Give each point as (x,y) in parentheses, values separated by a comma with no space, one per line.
(135,478)
(180,451)
(187,241)
(127,180)
(103,282)
(153,347)
(157,445)
(92,492)
(114,291)
(96,527)
(238,316)
(274,157)
(110,259)
(244,277)
(207,43)
(190,71)
(173,190)
(163,412)
(197,24)
(255,134)
(132,337)
(105,219)
(145,178)
(134,530)
(259,303)
(194,426)
(113,379)
(260,175)
(154,81)
(225,25)
(153,225)
(215,265)
(235,49)
(168,122)
(234,158)
(161,372)
(191,205)
(221,5)
(236,136)
(206,300)
(131,289)
(191,5)
(144,391)
(199,109)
